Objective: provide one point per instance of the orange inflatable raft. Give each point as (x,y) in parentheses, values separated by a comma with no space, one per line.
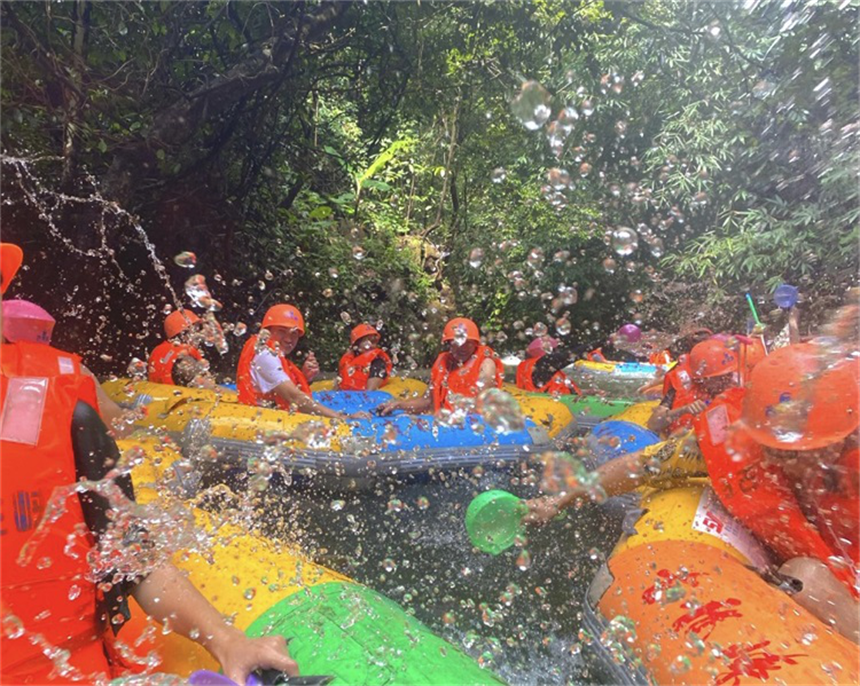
(681,602)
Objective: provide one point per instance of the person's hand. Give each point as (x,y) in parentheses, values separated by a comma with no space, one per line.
(242,655)
(695,407)
(311,367)
(542,510)
(387,408)
(359,415)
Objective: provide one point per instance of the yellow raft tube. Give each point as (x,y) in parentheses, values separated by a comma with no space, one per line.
(337,627)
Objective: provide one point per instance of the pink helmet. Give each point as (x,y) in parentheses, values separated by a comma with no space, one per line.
(26,321)
(536,347)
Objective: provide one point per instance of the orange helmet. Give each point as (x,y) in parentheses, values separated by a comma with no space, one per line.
(284,315)
(360,332)
(796,400)
(176,322)
(11,257)
(460,326)
(712,358)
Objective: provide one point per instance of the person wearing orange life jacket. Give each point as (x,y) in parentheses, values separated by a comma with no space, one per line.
(266,377)
(541,371)
(712,368)
(459,373)
(365,366)
(51,437)
(783,458)
(176,361)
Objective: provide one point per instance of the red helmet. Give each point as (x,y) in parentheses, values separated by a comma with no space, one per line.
(460,327)
(712,358)
(284,315)
(176,322)
(799,400)
(360,332)
(11,257)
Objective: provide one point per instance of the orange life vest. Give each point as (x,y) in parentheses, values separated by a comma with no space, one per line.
(48,591)
(446,377)
(354,369)
(595,355)
(558,384)
(249,395)
(164,358)
(662,358)
(680,379)
(757,492)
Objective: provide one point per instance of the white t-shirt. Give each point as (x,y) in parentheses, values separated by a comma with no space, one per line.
(267,372)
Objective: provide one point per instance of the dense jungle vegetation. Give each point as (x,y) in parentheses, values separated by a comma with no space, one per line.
(563,164)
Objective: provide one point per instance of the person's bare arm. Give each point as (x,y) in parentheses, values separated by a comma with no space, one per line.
(422,405)
(167,596)
(487,375)
(304,403)
(662,416)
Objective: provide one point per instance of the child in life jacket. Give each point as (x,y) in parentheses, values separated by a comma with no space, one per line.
(460,373)
(365,366)
(541,371)
(178,361)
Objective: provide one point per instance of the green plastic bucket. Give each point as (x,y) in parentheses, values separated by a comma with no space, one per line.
(494,520)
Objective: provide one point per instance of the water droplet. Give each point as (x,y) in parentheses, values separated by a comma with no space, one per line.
(197,290)
(136,368)
(249,593)
(637,296)
(345,318)
(476,257)
(449,618)
(563,326)
(186,259)
(656,246)
(609,265)
(535,258)
(333,273)
(358,253)
(532,105)
(395,505)
(500,411)
(498,175)
(74,591)
(268,276)
(389,565)
(584,169)
(240,329)
(621,128)
(12,626)
(423,503)
(624,240)
(558,178)
(587,108)
(337,505)
(524,560)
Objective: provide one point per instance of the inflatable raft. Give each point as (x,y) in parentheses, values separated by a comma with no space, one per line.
(341,454)
(336,627)
(679,600)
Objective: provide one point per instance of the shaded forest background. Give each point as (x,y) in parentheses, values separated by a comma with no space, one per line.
(558,164)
